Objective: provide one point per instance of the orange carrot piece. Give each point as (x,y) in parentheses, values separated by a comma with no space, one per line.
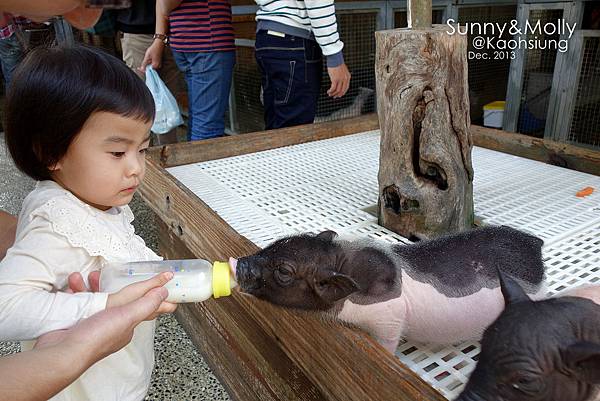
(585,192)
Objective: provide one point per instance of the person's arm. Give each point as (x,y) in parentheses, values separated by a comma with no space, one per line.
(154,53)
(324,25)
(31,275)
(60,357)
(8,229)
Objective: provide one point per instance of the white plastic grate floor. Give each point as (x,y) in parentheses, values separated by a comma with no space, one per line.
(332,184)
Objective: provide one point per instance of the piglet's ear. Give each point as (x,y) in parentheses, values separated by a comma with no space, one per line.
(334,287)
(327,235)
(583,361)
(511,290)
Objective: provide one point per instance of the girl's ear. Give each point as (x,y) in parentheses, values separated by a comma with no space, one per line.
(55,167)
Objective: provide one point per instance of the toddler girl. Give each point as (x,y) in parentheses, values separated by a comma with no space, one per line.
(78,121)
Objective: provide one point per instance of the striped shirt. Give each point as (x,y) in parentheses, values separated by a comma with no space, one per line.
(201,26)
(316,18)
(9,24)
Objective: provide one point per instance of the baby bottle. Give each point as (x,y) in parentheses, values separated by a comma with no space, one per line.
(194,280)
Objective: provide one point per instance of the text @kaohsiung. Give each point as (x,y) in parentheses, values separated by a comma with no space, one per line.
(494,40)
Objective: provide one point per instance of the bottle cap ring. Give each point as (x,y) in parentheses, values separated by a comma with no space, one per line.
(220,279)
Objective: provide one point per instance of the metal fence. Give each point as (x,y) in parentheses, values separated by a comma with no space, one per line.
(356,28)
(585,120)
(245,112)
(537,76)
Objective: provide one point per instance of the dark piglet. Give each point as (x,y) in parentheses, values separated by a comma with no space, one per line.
(540,351)
(439,291)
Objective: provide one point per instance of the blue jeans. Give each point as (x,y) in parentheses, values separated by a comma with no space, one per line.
(11,54)
(208,78)
(291,72)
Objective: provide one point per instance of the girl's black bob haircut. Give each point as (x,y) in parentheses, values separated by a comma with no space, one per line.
(52,94)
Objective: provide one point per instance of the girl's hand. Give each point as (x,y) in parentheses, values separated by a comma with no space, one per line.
(76,283)
(137,290)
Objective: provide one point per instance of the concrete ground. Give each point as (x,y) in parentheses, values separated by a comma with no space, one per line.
(180,373)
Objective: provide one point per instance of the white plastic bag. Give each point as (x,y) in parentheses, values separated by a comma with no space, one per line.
(167,111)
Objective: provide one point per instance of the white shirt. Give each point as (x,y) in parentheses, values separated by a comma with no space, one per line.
(58,234)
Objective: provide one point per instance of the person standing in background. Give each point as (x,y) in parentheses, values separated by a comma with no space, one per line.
(136,24)
(11,49)
(291,37)
(201,36)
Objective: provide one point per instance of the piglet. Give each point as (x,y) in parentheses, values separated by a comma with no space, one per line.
(439,291)
(540,351)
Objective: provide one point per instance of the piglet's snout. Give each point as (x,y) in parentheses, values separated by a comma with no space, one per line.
(248,275)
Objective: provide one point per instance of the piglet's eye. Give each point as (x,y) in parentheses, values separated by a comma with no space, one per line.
(284,275)
(527,384)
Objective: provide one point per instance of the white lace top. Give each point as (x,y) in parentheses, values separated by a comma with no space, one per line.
(58,234)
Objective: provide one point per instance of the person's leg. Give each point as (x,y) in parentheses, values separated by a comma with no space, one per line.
(181,58)
(291,77)
(11,54)
(223,77)
(208,89)
(134,47)
(313,59)
(169,72)
(264,67)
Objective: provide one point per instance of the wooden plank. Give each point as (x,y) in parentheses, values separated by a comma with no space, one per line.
(570,156)
(419,14)
(569,88)
(566,69)
(279,353)
(515,77)
(561,154)
(210,149)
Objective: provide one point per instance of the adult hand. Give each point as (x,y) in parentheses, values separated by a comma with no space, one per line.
(111,329)
(137,290)
(153,55)
(70,352)
(340,80)
(126,294)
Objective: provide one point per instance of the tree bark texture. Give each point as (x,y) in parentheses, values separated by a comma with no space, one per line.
(425,168)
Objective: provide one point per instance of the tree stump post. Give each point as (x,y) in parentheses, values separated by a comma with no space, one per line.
(425,168)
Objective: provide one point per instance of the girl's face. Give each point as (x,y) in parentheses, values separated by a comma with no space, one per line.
(105,163)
